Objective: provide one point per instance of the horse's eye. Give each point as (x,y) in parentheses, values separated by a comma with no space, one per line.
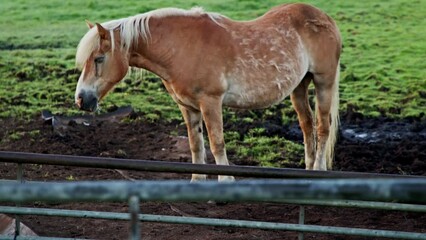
(99,59)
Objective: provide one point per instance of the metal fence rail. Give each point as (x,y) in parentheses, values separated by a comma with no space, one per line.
(215,222)
(161,166)
(254,190)
(2,237)
(337,203)
(400,190)
(336,190)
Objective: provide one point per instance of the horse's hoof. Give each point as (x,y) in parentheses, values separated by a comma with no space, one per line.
(198,178)
(226,179)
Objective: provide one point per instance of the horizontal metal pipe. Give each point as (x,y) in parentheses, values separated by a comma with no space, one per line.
(4,237)
(360,204)
(215,222)
(397,190)
(161,166)
(335,203)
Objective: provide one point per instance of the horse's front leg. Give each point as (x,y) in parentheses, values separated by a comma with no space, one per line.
(194,125)
(211,108)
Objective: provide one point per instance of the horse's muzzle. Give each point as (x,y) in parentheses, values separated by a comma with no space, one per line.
(87,101)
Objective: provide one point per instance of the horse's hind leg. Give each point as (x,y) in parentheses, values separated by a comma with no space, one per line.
(211,108)
(300,101)
(326,90)
(194,125)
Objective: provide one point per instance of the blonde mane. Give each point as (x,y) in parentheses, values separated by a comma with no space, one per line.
(130,30)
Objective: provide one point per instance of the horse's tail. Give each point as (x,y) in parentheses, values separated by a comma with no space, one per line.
(335,121)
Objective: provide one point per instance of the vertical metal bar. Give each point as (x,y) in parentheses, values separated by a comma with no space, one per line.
(135,232)
(301,220)
(20,174)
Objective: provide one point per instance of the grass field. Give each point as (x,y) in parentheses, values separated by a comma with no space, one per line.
(383,61)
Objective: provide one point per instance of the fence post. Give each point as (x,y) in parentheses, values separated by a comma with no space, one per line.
(20,179)
(135,232)
(301,220)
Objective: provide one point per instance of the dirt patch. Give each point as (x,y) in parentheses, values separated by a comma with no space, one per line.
(403,154)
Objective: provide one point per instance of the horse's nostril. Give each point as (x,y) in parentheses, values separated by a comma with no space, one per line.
(92,104)
(79,102)
(87,101)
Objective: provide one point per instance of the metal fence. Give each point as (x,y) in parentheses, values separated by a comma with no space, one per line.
(345,189)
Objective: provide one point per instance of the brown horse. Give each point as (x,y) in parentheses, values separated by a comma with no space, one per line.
(207,61)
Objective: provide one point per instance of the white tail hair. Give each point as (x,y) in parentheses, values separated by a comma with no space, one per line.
(335,121)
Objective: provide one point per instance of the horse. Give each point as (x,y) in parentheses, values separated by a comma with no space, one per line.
(207,61)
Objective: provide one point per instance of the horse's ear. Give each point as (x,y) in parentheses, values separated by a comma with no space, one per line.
(89,24)
(103,33)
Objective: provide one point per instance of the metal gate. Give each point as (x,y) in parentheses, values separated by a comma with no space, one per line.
(344,189)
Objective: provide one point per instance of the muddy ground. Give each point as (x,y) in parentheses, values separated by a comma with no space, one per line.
(367,145)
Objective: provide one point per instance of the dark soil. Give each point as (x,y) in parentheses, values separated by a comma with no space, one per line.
(366,145)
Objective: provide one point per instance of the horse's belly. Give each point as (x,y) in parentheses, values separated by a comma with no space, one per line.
(259,82)
(258,95)
(265,73)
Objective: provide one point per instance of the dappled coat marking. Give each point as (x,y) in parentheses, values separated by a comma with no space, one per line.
(207,61)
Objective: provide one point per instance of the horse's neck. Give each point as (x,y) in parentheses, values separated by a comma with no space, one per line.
(150,54)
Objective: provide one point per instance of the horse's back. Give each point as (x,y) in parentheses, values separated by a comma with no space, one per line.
(299,14)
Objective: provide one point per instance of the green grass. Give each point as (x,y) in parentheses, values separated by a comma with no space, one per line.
(272,151)
(383,55)
(383,59)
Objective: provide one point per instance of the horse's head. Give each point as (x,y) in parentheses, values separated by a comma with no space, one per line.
(104,63)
